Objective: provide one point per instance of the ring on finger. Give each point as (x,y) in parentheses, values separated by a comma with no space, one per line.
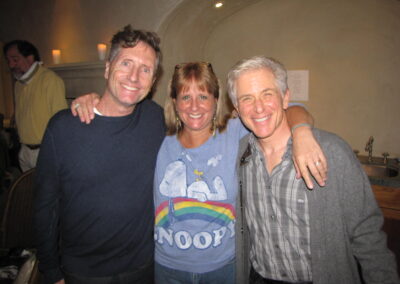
(317,163)
(77,105)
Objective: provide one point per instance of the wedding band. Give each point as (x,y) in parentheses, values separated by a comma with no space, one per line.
(76,106)
(317,163)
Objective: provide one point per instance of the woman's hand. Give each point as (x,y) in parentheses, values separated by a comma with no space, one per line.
(83,107)
(308,157)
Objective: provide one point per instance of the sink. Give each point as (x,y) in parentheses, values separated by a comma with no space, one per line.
(379,170)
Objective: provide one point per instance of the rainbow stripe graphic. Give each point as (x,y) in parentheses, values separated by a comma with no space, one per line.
(189,209)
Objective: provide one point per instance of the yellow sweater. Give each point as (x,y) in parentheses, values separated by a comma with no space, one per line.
(36,102)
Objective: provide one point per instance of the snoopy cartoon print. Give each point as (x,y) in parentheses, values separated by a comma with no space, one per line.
(174,183)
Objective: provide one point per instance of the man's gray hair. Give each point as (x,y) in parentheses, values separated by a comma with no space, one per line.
(254,63)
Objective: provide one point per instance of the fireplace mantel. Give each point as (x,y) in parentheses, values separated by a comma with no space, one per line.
(81,78)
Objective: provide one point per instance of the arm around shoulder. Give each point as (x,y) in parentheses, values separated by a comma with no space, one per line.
(308,156)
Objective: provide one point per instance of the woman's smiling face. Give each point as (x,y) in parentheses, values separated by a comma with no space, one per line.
(195,107)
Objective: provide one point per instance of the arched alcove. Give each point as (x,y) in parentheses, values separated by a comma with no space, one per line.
(186,31)
(349,47)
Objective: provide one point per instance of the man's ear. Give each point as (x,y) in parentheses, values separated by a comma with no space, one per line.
(107,70)
(30,59)
(286,99)
(235,111)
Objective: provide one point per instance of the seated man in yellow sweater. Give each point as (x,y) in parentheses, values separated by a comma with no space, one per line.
(39,94)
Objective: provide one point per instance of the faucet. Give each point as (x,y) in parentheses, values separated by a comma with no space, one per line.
(385,157)
(368,148)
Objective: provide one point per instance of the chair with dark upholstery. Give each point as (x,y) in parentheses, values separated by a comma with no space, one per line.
(16,225)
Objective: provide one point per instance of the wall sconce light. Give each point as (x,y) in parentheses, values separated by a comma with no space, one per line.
(218,4)
(101,49)
(56,56)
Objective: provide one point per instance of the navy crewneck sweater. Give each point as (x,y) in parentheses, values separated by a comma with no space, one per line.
(94,193)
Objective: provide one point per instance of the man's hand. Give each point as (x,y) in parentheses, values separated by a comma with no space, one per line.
(83,106)
(60,282)
(308,157)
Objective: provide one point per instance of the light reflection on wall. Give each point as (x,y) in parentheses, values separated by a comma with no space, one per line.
(68,31)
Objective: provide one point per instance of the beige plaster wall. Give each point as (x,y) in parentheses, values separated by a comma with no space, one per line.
(76,26)
(350,47)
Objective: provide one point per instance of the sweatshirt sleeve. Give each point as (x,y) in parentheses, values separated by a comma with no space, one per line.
(46,214)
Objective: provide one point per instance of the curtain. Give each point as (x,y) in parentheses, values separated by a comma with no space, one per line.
(6,90)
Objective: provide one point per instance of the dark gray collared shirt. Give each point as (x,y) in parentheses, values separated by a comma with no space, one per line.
(278,219)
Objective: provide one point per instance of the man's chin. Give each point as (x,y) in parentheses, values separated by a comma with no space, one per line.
(263,134)
(130,103)
(134,101)
(262,137)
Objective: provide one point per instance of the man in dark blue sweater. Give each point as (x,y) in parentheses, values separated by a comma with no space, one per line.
(94,204)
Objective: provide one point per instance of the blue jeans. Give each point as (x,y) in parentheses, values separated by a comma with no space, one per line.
(142,275)
(223,275)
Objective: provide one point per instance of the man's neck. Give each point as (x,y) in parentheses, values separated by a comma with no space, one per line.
(274,147)
(27,76)
(193,139)
(109,107)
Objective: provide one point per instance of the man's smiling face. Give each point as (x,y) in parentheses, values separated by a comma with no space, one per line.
(130,75)
(260,103)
